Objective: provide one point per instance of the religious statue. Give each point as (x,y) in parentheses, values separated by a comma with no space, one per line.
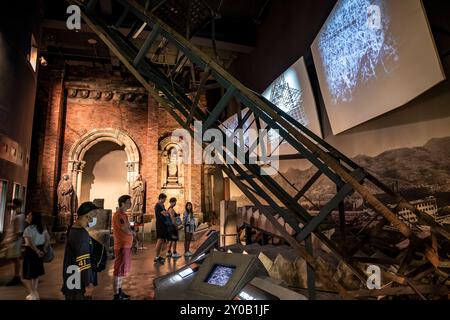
(65,200)
(173,164)
(172,172)
(137,195)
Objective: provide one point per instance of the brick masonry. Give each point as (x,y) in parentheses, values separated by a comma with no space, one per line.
(69,116)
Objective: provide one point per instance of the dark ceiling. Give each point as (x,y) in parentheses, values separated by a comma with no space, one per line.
(237,21)
(275,32)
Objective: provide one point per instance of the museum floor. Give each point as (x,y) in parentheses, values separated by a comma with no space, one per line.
(139,284)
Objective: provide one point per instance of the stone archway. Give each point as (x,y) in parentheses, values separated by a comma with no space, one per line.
(88,140)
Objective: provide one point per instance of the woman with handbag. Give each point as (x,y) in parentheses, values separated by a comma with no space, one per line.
(36,240)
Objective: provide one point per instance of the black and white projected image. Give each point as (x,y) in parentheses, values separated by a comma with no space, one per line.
(292,93)
(288,98)
(220,275)
(352,51)
(364,50)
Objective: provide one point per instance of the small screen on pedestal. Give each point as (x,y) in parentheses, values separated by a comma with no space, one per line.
(220,275)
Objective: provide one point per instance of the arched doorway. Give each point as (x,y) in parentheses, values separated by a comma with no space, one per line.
(105,174)
(118,141)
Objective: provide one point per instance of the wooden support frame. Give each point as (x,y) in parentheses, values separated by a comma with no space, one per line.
(328,160)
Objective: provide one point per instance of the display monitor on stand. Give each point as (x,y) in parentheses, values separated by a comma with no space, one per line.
(223,275)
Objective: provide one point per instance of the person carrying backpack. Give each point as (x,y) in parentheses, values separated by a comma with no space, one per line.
(79,275)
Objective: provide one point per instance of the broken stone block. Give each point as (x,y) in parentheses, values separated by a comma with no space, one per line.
(265,260)
(263,222)
(289,229)
(346,277)
(300,265)
(284,269)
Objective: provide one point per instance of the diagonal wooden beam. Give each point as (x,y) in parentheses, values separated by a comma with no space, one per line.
(205,77)
(147,44)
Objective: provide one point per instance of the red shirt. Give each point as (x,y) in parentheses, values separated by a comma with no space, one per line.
(121,239)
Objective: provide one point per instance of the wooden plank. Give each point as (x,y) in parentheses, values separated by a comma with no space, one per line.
(311,275)
(197,94)
(308,185)
(296,156)
(147,44)
(218,109)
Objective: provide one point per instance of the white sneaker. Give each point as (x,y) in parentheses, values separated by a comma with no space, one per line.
(188,254)
(176,255)
(168,254)
(32,297)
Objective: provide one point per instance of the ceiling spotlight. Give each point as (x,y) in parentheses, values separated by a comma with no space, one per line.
(43,62)
(92,41)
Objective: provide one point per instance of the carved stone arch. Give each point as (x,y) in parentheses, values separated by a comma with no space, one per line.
(169,141)
(88,140)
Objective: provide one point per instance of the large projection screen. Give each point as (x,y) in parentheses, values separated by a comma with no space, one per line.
(372,57)
(292,93)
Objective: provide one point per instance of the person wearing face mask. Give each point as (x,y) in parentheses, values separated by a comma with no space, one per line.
(78,274)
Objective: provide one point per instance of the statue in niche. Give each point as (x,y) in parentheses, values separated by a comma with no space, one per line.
(65,200)
(172,166)
(137,195)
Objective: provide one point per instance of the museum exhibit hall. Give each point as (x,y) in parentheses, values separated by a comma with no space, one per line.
(223,150)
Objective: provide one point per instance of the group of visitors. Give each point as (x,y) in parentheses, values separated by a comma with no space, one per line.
(82,261)
(168,224)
